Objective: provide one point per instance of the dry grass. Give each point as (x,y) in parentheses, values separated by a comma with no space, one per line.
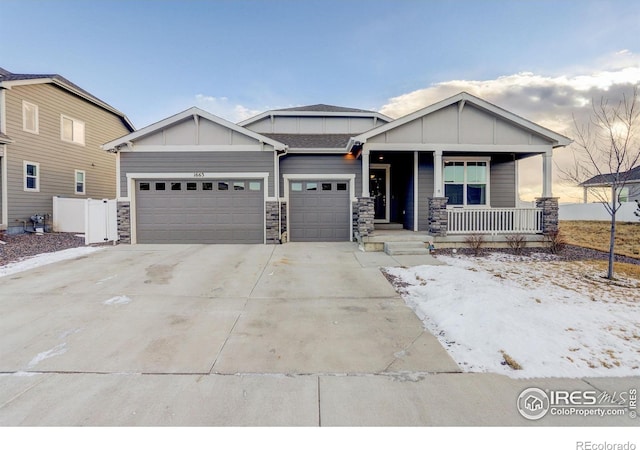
(595,235)
(625,269)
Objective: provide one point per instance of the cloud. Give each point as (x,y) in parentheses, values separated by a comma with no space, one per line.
(223,107)
(551,101)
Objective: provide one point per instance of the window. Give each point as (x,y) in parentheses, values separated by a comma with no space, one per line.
(207,186)
(31,176)
(465,182)
(144,186)
(160,186)
(192,186)
(296,187)
(254,185)
(223,186)
(326,186)
(312,186)
(623,194)
(30,117)
(80,182)
(176,186)
(72,130)
(341,187)
(238,185)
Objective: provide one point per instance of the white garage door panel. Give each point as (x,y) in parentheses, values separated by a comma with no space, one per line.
(208,216)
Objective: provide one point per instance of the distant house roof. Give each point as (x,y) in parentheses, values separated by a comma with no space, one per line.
(326,108)
(607,179)
(317,141)
(9,79)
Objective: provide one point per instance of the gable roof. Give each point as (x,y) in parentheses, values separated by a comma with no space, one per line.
(193,111)
(558,139)
(606,179)
(9,79)
(321,110)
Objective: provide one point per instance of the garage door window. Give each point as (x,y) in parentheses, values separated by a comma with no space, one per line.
(238,185)
(192,186)
(207,186)
(145,186)
(342,186)
(254,185)
(223,186)
(326,186)
(296,187)
(176,186)
(160,186)
(312,186)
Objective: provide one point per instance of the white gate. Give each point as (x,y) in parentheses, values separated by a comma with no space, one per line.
(97,219)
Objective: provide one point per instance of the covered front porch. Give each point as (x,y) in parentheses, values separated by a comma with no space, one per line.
(450,170)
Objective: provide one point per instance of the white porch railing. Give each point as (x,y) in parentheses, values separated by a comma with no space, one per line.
(494,220)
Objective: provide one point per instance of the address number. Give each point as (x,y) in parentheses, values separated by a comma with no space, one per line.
(198,174)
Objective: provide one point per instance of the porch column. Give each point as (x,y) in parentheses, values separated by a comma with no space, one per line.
(547,164)
(437,174)
(365,172)
(416,201)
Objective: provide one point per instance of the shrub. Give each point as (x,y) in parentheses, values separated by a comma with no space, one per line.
(516,242)
(475,243)
(555,242)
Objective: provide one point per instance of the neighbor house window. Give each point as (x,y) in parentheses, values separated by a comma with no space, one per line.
(31,176)
(30,117)
(72,130)
(80,182)
(465,182)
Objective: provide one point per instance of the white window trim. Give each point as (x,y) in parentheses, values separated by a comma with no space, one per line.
(84,182)
(74,121)
(487,159)
(24,176)
(36,120)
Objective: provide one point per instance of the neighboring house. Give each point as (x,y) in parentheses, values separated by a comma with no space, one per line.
(50,136)
(629,193)
(327,173)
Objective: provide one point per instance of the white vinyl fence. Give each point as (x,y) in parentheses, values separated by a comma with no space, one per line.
(494,220)
(597,211)
(96,219)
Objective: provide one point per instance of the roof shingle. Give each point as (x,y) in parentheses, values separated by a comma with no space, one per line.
(311,140)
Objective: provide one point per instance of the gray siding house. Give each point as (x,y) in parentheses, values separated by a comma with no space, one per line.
(50,136)
(328,173)
(629,180)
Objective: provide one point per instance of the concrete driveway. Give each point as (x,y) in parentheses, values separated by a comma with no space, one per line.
(298,334)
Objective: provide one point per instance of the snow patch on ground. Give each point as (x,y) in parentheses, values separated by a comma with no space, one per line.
(553,318)
(44,259)
(55,351)
(118,300)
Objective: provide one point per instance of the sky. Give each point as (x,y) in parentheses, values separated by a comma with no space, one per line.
(543,60)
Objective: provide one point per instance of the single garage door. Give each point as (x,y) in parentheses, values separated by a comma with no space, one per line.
(200,212)
(319,211)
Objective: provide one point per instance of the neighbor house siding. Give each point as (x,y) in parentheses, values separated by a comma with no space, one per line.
(425,189)
(58,159)
(503,182)
(322,164)
(190,162)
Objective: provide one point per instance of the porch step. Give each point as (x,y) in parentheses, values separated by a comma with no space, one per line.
(388,226)
(405,248)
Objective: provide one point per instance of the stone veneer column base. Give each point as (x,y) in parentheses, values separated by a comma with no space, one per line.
(438,220)
(363,216)
(276,221)
(549,207)
(124,222)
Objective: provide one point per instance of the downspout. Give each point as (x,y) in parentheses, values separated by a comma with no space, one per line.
(4,223)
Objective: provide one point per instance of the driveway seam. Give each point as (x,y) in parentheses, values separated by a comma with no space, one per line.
(227,339)
(262,273)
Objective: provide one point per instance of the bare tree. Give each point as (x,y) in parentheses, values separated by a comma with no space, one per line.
(605,150)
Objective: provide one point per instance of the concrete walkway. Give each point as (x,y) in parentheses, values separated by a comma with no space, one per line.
(298,334)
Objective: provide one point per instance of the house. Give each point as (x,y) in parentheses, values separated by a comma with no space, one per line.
(328,173)
(50,136)
(631,180)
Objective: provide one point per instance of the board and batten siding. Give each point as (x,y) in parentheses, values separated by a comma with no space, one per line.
(190,162)
(58,159)
(321,164)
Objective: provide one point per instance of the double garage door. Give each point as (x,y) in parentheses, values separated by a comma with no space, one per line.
(319,211)
(200,211)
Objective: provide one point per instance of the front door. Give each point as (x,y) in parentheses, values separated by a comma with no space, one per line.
(379,188)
